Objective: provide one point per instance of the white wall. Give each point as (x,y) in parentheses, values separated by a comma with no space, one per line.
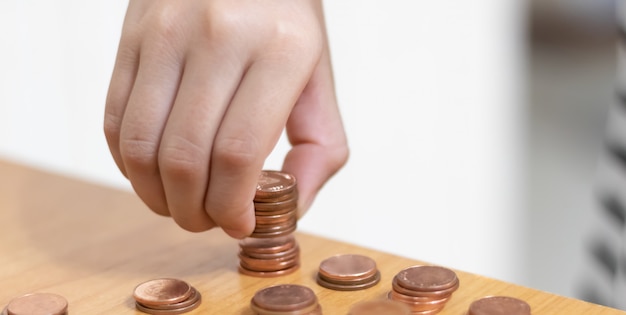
(430,93)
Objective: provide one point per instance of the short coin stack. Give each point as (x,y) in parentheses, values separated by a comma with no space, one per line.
(425,289)
(348,272)
(499,305)
(166,296)
(272,250)
(37,304)
(275,205)
(285,299)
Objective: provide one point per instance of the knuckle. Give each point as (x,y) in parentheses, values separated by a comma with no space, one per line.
(111,126)
(138,153)
(338,157)
(298,41)
(164,22)
(234,152)
(181,158)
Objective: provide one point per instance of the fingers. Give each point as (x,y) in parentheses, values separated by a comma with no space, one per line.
(149,104)
(122,82)
(250,129)
(315,130)
(185,151)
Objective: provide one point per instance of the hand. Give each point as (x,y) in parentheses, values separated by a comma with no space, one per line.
(199,95)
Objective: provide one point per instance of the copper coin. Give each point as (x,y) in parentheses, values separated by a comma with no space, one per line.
(276,226)
(396,296)
(418,306)
(309,310)
(162,291)
(427,294)
(269,265)
(267,245)
(347,267)
(290,252)
(289,204)
(352,282)
(276,212)
(274,183)
(268,274)
(349,286)
(499,305)
(277,218)
(379,307)
(180,310)
(271,261)
(273,234)
(193,298)
(37,304)
(284,297)
(426,278)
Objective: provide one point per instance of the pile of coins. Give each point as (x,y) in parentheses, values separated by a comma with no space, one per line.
(271,250)
(269,257)
(379,307)
(285,299)
(166,297)
(348,272)
(37,304)
(425,289)
(499,305)
(275,205)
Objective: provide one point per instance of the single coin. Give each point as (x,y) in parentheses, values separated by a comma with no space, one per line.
(162,291)
(426,278)
(284,297)
(38,304)
(349,286)
(267,245)
(268,274)
(379,307)
(273,184)
(499,305)
(347,267)
(426,294)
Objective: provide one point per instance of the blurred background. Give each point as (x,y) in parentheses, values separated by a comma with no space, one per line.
(474,127)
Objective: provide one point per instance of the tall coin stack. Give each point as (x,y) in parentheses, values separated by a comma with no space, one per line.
(271,250)
(425,289)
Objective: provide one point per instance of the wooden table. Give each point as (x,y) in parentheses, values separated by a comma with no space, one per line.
(93,245)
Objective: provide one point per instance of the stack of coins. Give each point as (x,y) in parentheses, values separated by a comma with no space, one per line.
(379,307)
(285,299)
(348,272)
(425,289)
(166,297)
(37,304)
(269,257)
(499,305)
(275,205)
(272,250)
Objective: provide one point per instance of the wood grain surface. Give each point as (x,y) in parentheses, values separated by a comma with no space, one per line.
(93,245)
